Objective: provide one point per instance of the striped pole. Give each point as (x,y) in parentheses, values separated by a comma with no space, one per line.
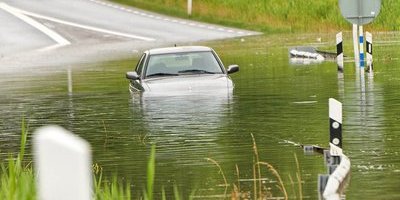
(355,45)
(361,34)
(368,39)
(335,123)
(339,51)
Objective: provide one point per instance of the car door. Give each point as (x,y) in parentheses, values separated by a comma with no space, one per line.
(139,70)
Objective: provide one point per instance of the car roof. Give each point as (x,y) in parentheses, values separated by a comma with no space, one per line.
(181,49)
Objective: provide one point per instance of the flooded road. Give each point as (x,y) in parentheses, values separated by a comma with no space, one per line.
(281,104)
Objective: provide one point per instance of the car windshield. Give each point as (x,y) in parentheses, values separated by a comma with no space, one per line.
(174,64)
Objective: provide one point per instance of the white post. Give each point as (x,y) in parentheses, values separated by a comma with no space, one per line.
(361,34)
(69,81)
(368,39)
(339,51)
(63,165)
(355,45)
(335,123)
(189,7)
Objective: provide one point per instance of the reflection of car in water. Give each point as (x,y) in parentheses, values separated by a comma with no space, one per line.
(180,70)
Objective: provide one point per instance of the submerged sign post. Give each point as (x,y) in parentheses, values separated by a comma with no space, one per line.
(360,12)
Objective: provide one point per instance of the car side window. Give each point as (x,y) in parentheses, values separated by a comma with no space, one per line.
(139,66)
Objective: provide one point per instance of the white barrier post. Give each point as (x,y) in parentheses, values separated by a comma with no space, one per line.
(355,45)
(189,7)
(368,39)
(63,165)
(339,51)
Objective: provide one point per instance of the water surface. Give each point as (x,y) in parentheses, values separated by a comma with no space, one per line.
(281,104)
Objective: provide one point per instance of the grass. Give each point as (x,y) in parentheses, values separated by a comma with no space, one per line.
(271,16)
(17,178)
(259,189)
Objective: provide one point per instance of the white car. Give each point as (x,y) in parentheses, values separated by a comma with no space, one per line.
(181,70)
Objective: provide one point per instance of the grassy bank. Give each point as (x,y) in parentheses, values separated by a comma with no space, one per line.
(271,15)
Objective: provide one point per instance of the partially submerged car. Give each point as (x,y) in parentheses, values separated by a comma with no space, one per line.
(180,70)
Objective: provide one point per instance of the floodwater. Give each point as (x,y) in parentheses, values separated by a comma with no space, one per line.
(279,103)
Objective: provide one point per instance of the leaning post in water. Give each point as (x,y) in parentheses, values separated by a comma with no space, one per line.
(368,39)
(339,51)
(62,164)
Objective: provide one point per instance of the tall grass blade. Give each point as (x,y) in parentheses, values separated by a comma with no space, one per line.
(222,174)
(151,173)
(276,174)
(298,175)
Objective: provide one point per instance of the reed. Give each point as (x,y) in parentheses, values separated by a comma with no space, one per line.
(258,191)
(222,174)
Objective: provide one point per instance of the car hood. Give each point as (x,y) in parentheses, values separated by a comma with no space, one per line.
(188,84)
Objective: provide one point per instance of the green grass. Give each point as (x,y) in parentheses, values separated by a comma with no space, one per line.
(271,16)
(17,179)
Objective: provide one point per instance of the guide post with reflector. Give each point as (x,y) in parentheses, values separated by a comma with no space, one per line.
(339,51)
(368,39)
(335,123)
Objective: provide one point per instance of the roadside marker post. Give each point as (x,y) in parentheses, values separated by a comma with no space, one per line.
(189,7)
(339,51)
(335,123)
(69,76)
(368,39)
(63,165)
(338,164)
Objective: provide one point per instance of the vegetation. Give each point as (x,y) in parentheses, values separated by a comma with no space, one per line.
(260,188)
(271,15)
(17,180)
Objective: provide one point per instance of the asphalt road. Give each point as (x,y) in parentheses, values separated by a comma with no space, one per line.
(50,32)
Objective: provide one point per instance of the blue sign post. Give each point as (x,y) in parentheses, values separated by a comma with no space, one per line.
(360,12)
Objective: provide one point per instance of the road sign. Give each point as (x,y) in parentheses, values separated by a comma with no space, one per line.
(360,11)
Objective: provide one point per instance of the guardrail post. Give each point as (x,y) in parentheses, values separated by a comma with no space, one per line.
(63,165)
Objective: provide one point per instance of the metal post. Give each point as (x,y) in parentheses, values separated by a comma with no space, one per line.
(355,45)
(69,81)
(361,34)
(189,7)
(339,51)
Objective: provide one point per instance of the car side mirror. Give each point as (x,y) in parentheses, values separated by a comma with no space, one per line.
(233,68)
(132,76)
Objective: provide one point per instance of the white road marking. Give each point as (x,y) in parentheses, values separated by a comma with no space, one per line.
(91,28)
(61,41)
(172,20)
